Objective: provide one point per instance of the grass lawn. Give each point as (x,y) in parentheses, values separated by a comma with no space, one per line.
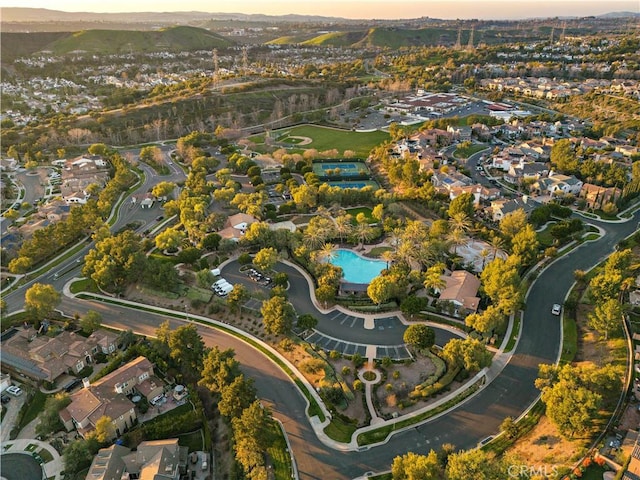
(594,472)
(324,138)
(279,454)
(84,285)
(34,407)
(545,238)
(45,455)
(339,430)
(197,293)
(467,152)
(376,252)
(192,440)
(366,210)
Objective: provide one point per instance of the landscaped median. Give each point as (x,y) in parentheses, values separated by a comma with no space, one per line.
(315,407)
(334,431)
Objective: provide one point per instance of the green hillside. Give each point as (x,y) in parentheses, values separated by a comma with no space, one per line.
(396,38)
(122,41)
(337,39)
(288,40)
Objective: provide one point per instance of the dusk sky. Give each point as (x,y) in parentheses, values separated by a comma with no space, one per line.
(365,9)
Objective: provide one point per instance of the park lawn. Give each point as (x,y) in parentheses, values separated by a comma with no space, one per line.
(324,138)
(467,152)
(366,210)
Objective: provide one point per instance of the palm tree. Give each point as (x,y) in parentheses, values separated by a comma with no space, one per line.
(457,238)
(496,244)
(344,226)
(328,252)
(433,279)
(363,232)
(484,254)
(460,221)
(388,256)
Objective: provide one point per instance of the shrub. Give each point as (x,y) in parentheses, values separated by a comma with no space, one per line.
(312,365)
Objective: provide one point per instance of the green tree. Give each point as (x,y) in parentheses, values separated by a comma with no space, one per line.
(307,321)
(187,350)
(571,407)
(476,464)
(487,321)
(265,259)
(237,297)
(277,315)
(564,157)
(463,203)
(236,397)
(509,427)
(40,301)
(90,322)
(105,430)
(412,305)
(50,417)
(163,189)
(412,466)
(219,368)
(252,437)
(204,278)
(470,354)
(525,245)
(98,149)
(433,279)
(419,337)
(169,239)
(78,455)
(116,261)
(606,317)
(512,223)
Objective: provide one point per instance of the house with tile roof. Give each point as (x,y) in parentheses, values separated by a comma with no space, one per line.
(152,460)
(41,357)
(236,225)
(462,291)
(109,396)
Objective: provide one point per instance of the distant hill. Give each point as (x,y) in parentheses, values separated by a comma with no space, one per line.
(39,15)
(390,37)
(112,41)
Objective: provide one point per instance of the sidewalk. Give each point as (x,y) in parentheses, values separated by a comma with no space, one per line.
(52,468)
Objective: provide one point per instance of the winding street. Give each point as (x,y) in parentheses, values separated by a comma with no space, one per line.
(511,393)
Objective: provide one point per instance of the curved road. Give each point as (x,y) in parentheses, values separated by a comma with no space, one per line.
(508,395)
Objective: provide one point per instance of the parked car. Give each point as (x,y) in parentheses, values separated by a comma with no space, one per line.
(5,399)
(15,391)
(556,309)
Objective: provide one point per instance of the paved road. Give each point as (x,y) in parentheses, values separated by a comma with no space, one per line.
(509,394)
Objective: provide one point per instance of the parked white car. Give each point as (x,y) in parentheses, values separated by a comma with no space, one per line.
(556,309)
(13,390)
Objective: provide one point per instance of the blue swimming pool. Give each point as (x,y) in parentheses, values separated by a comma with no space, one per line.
(357,269)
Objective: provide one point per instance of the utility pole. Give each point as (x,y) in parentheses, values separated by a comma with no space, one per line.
(458,45)
(245,61)
(215,67)
(470,44)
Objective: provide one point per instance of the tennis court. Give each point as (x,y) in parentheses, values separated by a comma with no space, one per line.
(340,169)
(358,185)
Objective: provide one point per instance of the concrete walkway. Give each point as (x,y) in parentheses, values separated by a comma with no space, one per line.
(52,469)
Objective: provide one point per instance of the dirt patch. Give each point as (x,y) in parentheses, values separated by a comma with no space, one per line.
(544,446)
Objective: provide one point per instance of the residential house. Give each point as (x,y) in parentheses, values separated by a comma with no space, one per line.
(596,195)
(480,193)
(462,291)
(78,174)
(152,460)
(236,226)
(157,460)
(109,396)
(557,184)
(525,171)
(461,134)
(46,358)
(500,208)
